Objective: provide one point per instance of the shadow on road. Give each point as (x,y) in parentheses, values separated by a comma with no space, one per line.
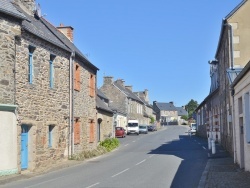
(194,158)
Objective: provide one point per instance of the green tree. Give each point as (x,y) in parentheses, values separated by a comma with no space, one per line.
(152,119)
(191,106)
(184,117)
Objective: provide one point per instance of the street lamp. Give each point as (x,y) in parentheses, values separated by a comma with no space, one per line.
(232,73)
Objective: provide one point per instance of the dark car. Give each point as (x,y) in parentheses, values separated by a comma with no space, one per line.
(154,128)
(150,128)
(120,132)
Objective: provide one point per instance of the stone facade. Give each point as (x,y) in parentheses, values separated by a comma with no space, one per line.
(123,99)
(35,90)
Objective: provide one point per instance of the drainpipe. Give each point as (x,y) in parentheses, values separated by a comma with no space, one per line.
(17,38)
(230,33)
(71,105)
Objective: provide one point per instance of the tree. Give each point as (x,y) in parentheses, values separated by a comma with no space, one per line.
(190,107)
(152,119)
(184,117)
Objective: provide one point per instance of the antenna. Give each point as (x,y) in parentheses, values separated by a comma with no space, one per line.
(38,10)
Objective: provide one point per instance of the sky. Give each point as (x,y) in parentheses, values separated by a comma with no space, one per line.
(160,45)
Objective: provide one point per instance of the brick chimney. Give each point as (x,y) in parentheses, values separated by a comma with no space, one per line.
(67,31)
(28,6)
(129,88)
(107,80)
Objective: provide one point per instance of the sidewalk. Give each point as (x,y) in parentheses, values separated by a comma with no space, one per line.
(221,172)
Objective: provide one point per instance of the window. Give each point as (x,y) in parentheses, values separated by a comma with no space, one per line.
(51,127)
(31,71)
(77,131)
(51,71)
(91,131)
(77,78)
(92,85)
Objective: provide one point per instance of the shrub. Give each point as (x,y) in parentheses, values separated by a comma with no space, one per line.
(110,143)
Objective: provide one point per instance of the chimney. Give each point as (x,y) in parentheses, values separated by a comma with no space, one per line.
(107,80)
(120,81)
(146,95)
(29,6)
(67,31)
(129,88)
(171,102)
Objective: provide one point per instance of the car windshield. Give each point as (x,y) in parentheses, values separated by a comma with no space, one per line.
(142,127)
(132,124)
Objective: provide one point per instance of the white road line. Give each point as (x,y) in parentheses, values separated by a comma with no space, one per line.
(126,145)
(141,162)
(120,173)
(93,185)
(204,147)
(151,156)
(134,141)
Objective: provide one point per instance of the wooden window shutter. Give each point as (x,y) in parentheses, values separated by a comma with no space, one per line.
(77,132)
(77,77)
(92,85)
(91,133)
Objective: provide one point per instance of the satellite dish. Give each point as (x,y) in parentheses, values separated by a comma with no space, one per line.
(38,10)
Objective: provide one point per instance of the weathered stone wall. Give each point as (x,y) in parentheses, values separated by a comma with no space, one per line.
(106,126)
(85,109)
(40,105)
(117,98)
(9,28)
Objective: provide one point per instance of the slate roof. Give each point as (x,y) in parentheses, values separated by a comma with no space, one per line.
(68,43)
(181,111)
(8,8)
(102,105)
(127,92)
(101,94)
(166,106)
(36,27)
(43,29)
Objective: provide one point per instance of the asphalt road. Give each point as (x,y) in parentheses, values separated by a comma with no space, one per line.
(165,158)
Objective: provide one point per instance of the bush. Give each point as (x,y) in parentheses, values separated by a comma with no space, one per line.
(110,143)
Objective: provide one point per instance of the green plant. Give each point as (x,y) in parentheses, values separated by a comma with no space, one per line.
(110,143)
(152,119)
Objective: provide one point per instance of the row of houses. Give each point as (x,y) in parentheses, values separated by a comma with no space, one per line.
(223,115)
(50,107)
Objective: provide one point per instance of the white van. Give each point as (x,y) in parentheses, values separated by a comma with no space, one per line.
(133,127)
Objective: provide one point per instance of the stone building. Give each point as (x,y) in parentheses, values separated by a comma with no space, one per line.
(231,56)
(122,98)
(148,112)
(44,80)
(105,118)
(166,113)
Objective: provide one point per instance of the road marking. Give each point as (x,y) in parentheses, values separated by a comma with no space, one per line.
(93,185)
(141,162)
(204,147)
(134,141)
(151,156)
(126,145)
(120,173)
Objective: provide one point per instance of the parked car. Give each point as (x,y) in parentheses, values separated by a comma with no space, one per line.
(154,128)
(150,128)
(143,129)
(120,132)
(133,127)
(193,128)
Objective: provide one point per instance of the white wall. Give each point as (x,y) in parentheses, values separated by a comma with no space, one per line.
(8,143)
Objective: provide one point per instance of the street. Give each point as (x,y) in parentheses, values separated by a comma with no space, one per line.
(168,157)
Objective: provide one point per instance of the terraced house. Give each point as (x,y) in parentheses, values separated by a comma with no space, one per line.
(216,114)
(44,82)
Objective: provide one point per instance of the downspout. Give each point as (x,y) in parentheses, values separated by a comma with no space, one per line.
(17,38)
(71,105)
(232,67)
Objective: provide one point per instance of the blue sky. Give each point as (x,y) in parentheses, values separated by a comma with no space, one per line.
(160,45)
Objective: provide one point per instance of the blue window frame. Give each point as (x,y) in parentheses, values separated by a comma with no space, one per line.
(31,71)
(50,135)
(51,71)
